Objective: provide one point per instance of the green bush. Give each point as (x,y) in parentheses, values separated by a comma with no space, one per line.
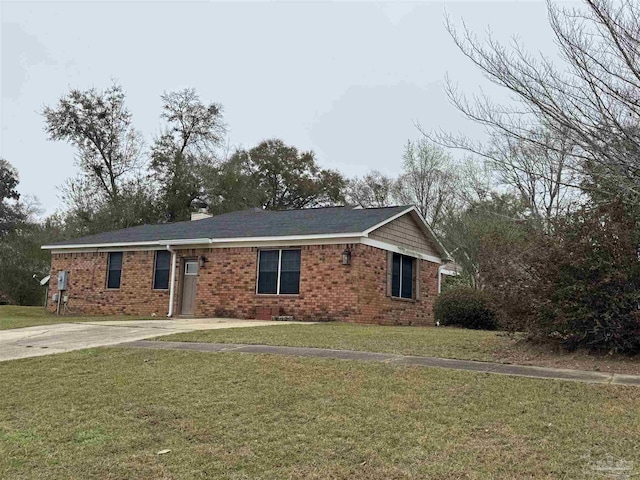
(593,276)
(465,307)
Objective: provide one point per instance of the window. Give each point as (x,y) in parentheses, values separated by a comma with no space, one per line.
(191,268)
(161,270)
(268,271)
(290,271)
(114,270)
(403,276)
(279,272)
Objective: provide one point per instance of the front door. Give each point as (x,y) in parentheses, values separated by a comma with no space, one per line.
(189,285)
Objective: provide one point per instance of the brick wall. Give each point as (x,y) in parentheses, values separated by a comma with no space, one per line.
(87,285)
(326,289)
(376,306)
(227,286)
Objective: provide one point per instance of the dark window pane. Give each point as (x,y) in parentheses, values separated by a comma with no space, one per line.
(267,282)
(290,272)
(115,261)
(115,270)
(114,279)
(163,260)
(290,261)
(407,277)
(163,265)
(290,282)
(269,260)
(395,276)
(268,271)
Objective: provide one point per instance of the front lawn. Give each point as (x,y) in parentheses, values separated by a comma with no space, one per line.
(427,341)
(106,413)
(13,316)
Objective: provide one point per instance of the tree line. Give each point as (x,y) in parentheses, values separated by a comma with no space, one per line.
(119,182)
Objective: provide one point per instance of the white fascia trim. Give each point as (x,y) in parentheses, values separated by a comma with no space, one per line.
(388,220)
(421,219)
(286,243)
(452,273)
(187,241)
(116,248)
(433,234)
(398,249)
(151,245)
(286,238)
(212,242)
(93,246)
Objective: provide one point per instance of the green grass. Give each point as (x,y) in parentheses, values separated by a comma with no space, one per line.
(105,413)
(425,341)
(13,316)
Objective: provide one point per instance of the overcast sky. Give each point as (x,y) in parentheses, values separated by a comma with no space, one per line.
(346,80)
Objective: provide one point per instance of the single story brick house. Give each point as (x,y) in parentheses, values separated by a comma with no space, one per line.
(368,265)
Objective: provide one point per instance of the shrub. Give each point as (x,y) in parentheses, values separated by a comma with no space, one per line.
(593,299)
(465,307)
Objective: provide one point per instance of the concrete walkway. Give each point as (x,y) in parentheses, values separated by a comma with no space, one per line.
(469,365)
(64,337)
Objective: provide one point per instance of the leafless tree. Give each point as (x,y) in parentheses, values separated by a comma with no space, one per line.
(427,180)
(372,190)
(589,102)
(541,172)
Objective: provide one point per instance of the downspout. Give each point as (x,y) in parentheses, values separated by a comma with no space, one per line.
(173,280)
(440,268)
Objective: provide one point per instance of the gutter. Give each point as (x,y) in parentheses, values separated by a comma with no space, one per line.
(173,280)
(204,241)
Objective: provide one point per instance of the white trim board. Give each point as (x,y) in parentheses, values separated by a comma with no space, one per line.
(251,242)
(149,248)
(117,246)
(388,220)
(398,249)
(451,273)
(222,244)
(422,223)
(214,242)
(433,235)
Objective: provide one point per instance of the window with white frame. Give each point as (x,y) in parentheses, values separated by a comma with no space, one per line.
(278,272)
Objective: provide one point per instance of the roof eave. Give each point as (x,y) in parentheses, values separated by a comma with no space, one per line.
(205,241)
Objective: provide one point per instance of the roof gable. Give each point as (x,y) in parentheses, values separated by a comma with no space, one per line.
(406,231)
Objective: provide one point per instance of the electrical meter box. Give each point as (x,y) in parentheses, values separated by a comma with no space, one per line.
(63,278)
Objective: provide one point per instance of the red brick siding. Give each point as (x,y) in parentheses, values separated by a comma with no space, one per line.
(87,285)
(227,286)
(376,306)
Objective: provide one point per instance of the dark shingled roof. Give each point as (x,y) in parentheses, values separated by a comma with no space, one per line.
(251,223)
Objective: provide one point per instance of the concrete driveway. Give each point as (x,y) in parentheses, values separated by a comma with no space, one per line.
(64,337)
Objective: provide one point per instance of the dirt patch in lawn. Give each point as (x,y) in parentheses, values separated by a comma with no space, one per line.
(524,352)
